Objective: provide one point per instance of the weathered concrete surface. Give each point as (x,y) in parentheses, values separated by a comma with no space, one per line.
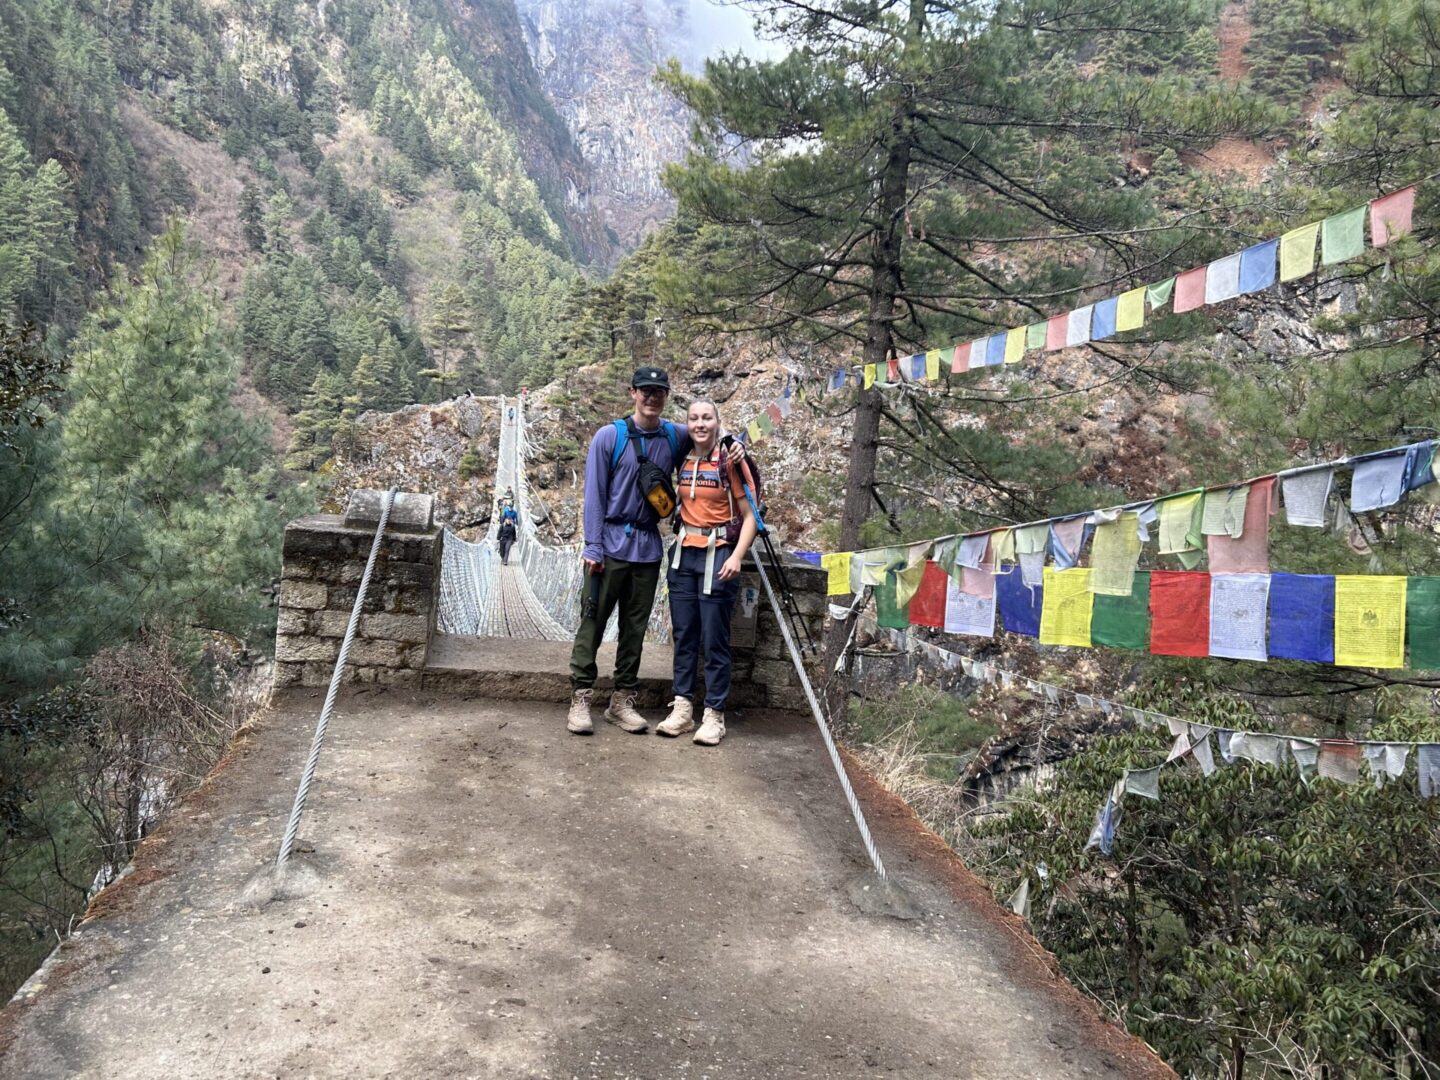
(515,669)
(497,898)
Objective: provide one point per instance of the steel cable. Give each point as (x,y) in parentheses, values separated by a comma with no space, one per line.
(293,826)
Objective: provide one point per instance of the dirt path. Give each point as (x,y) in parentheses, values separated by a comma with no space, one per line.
(495,898)
(1234,35)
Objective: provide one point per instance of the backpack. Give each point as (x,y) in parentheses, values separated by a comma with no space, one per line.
(653,481)
(757,488)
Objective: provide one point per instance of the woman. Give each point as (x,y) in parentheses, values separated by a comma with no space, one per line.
(704,575)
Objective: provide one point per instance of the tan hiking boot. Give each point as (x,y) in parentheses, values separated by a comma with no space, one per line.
(680,720)
(621,712)
(712,728)
(579,722)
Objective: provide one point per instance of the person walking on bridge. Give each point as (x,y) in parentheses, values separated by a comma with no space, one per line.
(716,529)
(627,473)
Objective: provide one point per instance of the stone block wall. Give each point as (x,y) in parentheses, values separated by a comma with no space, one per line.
(324,560)
(763,675)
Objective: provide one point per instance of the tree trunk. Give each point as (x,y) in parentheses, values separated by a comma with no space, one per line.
(887,243)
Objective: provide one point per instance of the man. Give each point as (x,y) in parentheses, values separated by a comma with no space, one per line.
(623,548)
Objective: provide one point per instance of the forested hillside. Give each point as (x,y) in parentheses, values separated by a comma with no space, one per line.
(226,230)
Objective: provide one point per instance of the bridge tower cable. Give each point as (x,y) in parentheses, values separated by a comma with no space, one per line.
(292,827)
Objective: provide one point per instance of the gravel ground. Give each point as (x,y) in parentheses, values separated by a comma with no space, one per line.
(481,894)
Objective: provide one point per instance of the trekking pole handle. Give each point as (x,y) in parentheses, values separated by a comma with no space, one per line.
(745,486)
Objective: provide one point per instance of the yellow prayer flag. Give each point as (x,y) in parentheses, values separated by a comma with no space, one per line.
(837,566)
(873,565)
(1297,252)
(1130,310)
(869,376)
(907,583)
(1065,617)
(1370,620)
(1002,547)
(1015,345)
(1114,553)
(755,433)
(1176,517)
(932,364)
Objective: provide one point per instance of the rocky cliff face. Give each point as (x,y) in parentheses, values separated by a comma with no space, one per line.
(596,59)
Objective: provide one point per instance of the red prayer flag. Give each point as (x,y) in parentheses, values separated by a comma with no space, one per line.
(1190,293)
(1055,332)
(928,606)
(1390,216)
(774,413)
(1179,613)
(1248,553)
(961,363)
(892,370)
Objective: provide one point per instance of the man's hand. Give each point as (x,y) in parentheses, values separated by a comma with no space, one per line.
(735,453)
(593,567)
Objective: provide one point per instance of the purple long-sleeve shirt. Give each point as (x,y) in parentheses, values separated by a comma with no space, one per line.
(612,499)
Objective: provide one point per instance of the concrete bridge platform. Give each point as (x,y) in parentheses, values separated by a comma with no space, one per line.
(486,895)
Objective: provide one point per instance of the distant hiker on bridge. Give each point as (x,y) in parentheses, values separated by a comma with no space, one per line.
(628,493)
(716,530)
(509,519)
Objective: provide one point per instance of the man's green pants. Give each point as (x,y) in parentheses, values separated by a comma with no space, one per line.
(629,588)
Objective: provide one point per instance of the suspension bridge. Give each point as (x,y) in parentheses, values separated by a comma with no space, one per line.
(472,892)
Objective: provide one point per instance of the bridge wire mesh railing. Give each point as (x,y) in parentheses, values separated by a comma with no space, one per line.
(551,577)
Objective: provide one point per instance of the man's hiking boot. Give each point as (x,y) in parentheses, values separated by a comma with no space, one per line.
(680,720)
(712,728)
(579,721)
(621,712)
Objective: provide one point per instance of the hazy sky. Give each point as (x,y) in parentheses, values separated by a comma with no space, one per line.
(718,27)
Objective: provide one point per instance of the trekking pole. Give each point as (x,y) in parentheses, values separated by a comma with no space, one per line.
(850,798)
(791,609)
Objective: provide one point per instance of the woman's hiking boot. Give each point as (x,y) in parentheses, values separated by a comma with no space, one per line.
(712,728)
(621,712)
(579,722)
(680,720)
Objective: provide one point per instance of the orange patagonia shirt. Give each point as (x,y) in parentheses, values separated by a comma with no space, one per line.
(705,502)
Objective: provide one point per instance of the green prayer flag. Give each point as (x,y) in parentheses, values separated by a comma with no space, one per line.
(764,423)
(882,372)
(1123,622)
(1342,236)
(1035,335)
(887,611)
(1422,622)
(1158,295)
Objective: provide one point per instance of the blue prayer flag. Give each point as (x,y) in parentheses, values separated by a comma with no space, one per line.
(917,366)
(812,557)
(1257,266)
(1019,603)
(1302,617)
(995,350)
(1102,322)
(837,381)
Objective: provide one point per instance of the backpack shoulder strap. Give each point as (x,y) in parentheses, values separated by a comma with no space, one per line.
(673,438)
(622,435)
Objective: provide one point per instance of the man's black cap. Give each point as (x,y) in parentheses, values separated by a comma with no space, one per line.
(650,376)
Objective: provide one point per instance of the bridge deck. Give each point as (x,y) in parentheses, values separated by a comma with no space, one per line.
(492,897)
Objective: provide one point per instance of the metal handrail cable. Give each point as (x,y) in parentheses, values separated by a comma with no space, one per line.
(308,775)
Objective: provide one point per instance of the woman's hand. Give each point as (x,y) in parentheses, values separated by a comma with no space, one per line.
(731,569)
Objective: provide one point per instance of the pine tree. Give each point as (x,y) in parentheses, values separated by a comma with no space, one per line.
(315,423)
(888,148)
(166,491)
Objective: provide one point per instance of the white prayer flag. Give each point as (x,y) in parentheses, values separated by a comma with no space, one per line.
(1222,279)
(1239,611)
(1306,492)
(1077,327)
(966,614)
